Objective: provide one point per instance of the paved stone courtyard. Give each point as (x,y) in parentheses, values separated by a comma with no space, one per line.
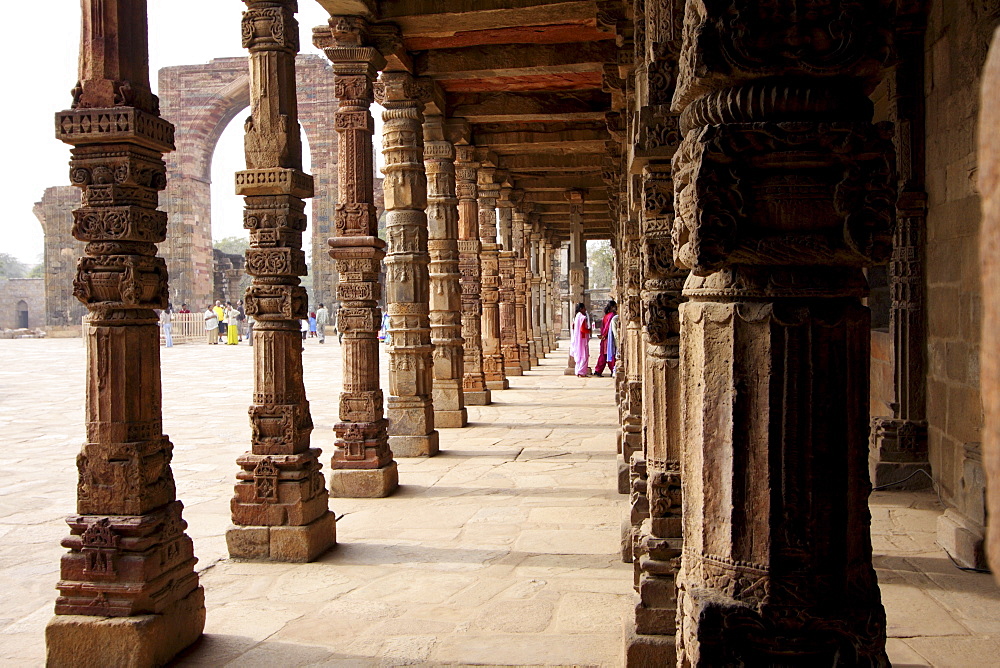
(500,551)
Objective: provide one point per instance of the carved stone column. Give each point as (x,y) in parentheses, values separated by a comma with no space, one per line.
(577,267)
(280,506)
(784,191)
(474,383)
(446,290)
(899,442)
(508,306)
(538,345)
(409,407)
(554,295)
(127,588)
(362,464)
(522,324)
(493,364)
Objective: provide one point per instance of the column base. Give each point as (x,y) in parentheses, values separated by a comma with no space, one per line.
(498,384)
(569,371)
(513,370)
(648,651)
(961,539)
(296,544)
(533,361)
(451,419)
(895,473)
(624,480)
(364,483)
(414,446)
(478,398)
(83,641)
(627,536)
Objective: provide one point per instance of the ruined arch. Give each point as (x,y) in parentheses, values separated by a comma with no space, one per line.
(201,101)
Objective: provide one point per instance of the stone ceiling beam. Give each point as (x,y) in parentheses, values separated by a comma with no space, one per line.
(587,105)
(556,142)
(514,60)
(434,17)
(550,183)
(544,162)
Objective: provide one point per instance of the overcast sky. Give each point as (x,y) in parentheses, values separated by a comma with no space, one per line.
(41,68)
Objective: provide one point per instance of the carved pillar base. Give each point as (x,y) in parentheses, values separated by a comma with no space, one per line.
(897,452)
(497,385)
(450,419)
(478,398)
(642,651)
(140,641)
(284,543)
(413,446)
(364,483)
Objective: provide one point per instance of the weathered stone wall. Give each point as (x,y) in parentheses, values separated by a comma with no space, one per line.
(55,213)
(201,101)
(957,39)
(15,294)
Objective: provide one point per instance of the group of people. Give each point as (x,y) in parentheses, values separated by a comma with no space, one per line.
(315,326)
(579,342)
(228,323)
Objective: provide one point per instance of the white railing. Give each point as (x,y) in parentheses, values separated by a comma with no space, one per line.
(187,328)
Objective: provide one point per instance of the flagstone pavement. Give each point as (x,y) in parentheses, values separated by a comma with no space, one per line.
(502,550)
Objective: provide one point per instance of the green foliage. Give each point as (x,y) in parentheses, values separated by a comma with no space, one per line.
(232,245)
(38,271)
(600,261)
(11,267)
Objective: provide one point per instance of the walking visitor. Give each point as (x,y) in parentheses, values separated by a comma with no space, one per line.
(322,320)
(579,346)
(211,325)
(233,325)
(604,358)
(166,322)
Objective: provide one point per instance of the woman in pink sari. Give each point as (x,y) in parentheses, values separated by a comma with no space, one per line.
(603,359)
(579,342)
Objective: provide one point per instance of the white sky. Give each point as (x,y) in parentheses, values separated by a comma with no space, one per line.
(40,69)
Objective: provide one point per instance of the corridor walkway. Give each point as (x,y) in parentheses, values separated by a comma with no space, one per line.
(500,551)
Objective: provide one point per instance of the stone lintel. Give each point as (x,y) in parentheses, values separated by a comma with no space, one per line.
(73,641)
(297,544)
(364,483)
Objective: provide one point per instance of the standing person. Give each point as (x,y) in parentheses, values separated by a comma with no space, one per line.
(166,322)
(336,326)
(613,342)
(220,315)
(211,325)
(312,324)
(579,343)
(184,309)
(304,324)
(250,322)
(322,320)
(233,324)
(605,358)
(383,332)
(240,319)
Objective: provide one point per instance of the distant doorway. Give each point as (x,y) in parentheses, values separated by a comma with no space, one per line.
(22,315)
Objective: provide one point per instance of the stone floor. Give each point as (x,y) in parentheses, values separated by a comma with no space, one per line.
(499,551)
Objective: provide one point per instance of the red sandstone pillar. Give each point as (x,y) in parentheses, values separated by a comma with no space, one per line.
(128,590)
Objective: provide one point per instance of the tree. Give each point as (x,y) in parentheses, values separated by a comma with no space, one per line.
(600,260)
(11,267)
(232,245)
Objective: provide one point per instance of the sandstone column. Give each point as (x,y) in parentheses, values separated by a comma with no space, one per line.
(127,588)
(362,464)
(280,506)
(522,325)
(474,384)
(554,295)
(546,290)
(537,293)
(899,443)
(446,291)
(577,266)
(529,290)
(784,191)
(410,408)
(493,364)
(507,305)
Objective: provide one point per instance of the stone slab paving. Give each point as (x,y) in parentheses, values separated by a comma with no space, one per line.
(500,551)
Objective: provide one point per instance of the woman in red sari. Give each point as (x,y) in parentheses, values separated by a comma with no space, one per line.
(609,312)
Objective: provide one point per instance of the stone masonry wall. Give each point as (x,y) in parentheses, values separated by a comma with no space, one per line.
(55,213)
(956,44)
(14,291)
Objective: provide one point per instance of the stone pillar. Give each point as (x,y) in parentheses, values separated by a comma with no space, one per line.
(633,361)
(474,383)
(537,293)
(508,302)
(127,588)
(409,407)
(279,509)
(362,464)
(521,321)
(784,191)
(493,364)
(898,446)
(554,296)
(446,291)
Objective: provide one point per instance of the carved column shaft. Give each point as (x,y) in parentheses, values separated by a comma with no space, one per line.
(538,338)
(280,504)
(522,322)
(362,464)
(446,290)
(469,247)
(409,407)
(128,554)
(493,362)
(507,305)
(784,191)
